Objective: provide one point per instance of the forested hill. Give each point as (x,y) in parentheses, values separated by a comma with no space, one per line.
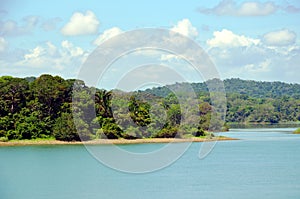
(249,101)
(262,89)
(256,89)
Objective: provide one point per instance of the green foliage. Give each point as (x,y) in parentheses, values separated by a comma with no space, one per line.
(51,107)
(297,131)
(132,133)
(139,111)
(29,125)
(13,94)
(200,132)
(168,132)
(64,128)
(3,139)
(50,93)
(111,129)
(249,88)
(174,114)
(247,101)
(189,130)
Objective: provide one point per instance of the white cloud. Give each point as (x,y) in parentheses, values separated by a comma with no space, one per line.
(227,38)
(185,28)
(52,49)
(251,59)
(263,66)
(48,56)
(107,34)
(251,8)
(256,9)
(35,53)
(12,28)
(81,24)
(280,38)
(71,49)
(3,44)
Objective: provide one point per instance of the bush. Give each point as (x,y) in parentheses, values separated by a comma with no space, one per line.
(111,129)
(225,127)
(64,128)
(132,133)
(167,132)
(3,139)
(200,132)
(2,133)
(297,131)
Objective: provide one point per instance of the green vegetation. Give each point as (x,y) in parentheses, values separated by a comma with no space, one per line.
(250,88)
(251,101)
(297,131)
(46,108)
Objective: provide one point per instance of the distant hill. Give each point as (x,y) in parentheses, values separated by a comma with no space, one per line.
(257,89)
(248,101)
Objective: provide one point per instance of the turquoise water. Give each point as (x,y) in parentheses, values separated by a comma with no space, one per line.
(265,163)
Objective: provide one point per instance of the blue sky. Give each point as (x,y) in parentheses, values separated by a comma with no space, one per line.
(246,39)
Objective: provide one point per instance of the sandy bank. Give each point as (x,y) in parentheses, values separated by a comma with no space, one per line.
(116,141)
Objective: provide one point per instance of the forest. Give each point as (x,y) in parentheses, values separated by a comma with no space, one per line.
(52,107)
(250,101)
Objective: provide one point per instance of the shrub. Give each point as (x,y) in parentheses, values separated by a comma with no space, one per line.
(297,131)
(3,139)
(167,132)
(64,128)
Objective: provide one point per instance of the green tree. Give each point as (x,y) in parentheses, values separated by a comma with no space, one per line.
(51,93)
(13,94)
(64,128)
(139,111)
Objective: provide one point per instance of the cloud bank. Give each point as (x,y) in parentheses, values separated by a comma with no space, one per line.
(249,8)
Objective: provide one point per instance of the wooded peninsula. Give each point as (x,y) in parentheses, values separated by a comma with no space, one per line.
(46,108)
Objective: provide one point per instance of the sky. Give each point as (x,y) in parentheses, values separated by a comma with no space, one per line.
(251,39)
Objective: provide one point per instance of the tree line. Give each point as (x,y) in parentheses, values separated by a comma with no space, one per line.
(52,107)
(251,88)
(250,101)
(49,106)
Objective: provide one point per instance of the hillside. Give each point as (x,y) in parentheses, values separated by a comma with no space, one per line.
(257,89)
(249,101)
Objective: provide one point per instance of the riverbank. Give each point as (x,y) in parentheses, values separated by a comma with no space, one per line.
(112,141)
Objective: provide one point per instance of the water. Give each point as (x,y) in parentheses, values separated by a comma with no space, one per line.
(263,164)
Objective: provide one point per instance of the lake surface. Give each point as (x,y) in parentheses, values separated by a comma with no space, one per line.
(265,163)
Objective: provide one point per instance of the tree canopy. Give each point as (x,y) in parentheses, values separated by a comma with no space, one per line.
(48,106)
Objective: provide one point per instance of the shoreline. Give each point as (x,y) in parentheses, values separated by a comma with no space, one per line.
(112,141)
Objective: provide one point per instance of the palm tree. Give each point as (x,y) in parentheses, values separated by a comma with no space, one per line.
(103,103)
